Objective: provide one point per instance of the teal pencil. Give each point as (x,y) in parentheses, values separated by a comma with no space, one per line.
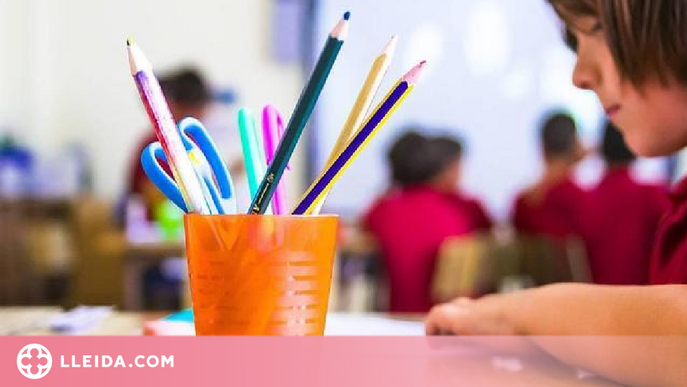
(300,116)
(257,133)
(255,165)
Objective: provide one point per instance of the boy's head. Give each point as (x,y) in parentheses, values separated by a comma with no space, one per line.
(446,153)
(418,159)
(613,148)
(559,139)
(633,55)
(186,92)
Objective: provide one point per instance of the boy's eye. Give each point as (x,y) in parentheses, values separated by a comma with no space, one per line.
(570,40)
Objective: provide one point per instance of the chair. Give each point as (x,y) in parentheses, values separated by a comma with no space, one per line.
(20,283)
(545,260)
(97,278)
(471,266)
(465,268)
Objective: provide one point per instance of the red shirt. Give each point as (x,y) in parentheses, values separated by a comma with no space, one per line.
(479,219)
(669,258)
(555,211)
(621,222)
(410,224)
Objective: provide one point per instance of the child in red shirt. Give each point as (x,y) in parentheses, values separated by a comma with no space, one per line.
(622,218)
(418,213)
(632,54)
(553,206)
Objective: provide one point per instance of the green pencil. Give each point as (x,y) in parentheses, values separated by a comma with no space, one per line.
(300,116)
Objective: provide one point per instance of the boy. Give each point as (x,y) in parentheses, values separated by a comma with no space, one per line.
(633,55)
(554,205)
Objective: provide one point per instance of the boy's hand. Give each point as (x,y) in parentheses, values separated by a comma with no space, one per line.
(464,316)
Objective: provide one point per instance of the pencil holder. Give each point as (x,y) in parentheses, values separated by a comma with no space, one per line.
(260,275)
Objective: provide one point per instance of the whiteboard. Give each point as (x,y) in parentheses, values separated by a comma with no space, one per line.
(494,68)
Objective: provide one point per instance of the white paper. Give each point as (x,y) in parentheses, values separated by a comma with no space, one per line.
(366,325)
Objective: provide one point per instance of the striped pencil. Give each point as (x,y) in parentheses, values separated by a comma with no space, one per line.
(362,105)
(375,121)
(300,116)
(166,130)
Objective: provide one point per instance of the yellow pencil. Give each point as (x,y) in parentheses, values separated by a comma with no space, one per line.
(358,141)
(361,107)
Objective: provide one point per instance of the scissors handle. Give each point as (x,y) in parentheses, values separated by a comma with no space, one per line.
(206,161)
(194,135)
(151,166)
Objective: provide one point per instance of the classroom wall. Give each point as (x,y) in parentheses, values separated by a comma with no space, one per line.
(64,75)
(494,69)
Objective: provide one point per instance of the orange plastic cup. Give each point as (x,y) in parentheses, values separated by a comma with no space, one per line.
(258,274)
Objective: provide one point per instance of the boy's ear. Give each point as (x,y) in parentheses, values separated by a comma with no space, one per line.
(581,152)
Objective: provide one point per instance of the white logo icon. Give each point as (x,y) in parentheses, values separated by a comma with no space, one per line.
(34,361)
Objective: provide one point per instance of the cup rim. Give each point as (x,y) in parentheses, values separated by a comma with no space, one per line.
(289,216)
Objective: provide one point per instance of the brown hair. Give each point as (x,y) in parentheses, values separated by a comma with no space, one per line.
(416,158)
(558,136)
(648,38)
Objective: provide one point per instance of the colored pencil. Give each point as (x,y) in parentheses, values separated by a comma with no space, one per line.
(374,122)
(300,116)
(255,165)
(362,105)
(166,130)
(272,132)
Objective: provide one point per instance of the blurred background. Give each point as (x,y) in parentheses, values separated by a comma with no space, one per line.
(71,123)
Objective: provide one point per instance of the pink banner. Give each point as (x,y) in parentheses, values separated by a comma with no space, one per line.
(329,361)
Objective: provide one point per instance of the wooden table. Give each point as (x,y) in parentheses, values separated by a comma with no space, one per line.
(33,321)
(462,364)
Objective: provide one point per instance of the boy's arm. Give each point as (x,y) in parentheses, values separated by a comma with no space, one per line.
(587,310)
(577,309)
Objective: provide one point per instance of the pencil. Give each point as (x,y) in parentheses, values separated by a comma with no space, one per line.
(362,105)
(376,120)
(273,130)
(166,130)
(255,167)
(300,116)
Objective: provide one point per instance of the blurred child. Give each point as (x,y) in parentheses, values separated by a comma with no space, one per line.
(623,216)
(479,219)
(420,210)
(632,54)
(553,206)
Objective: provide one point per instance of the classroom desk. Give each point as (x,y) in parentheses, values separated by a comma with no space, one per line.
(32,321)
(138,257)
(468,364)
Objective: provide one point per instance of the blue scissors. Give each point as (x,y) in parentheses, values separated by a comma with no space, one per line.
(217,185)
